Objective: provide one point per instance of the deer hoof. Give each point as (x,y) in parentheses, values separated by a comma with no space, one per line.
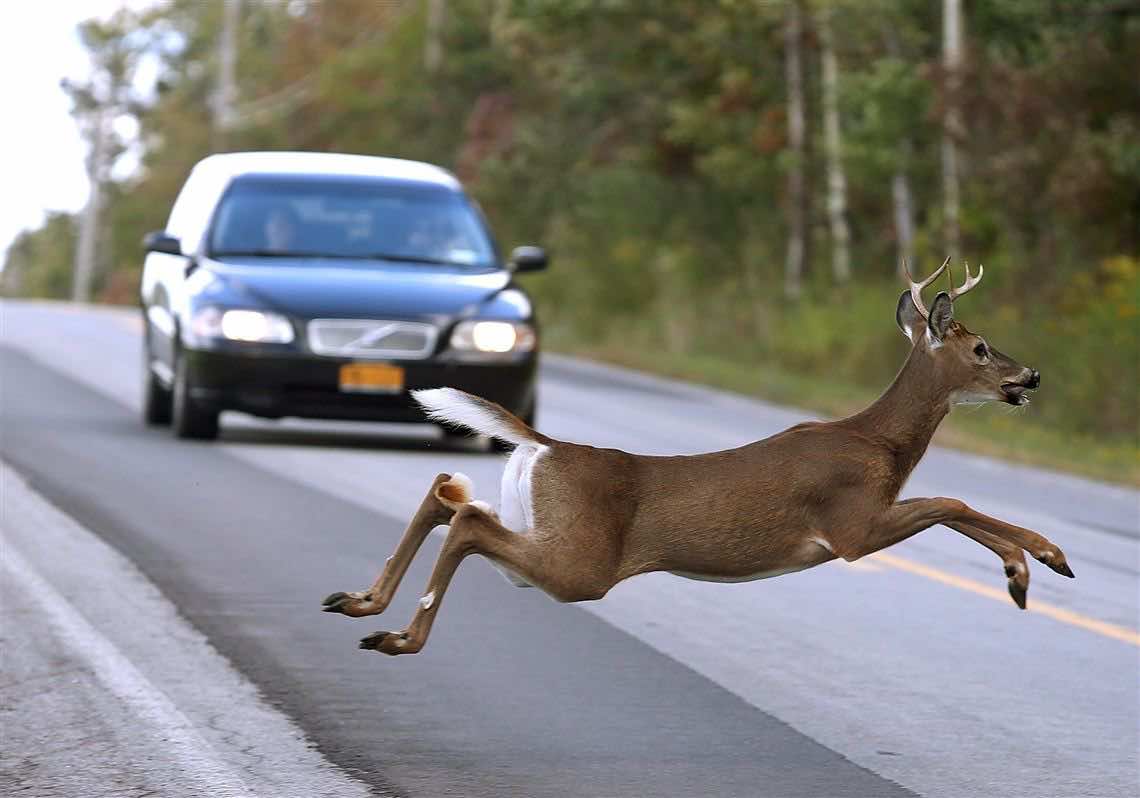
(373,641)
(1055,559)
(332,599)
(391,643)
(1059,565)
(1017,592)
(353,605)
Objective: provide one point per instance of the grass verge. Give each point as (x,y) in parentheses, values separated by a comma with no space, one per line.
(992,430)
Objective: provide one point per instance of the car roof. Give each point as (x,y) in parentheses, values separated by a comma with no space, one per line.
(236,164)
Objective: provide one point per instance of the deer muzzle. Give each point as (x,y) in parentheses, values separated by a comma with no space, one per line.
(1014,392)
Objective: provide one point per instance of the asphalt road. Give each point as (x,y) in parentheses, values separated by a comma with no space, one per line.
(907,673)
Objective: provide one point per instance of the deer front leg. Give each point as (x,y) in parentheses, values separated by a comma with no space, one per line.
(475,530)
(1012,557)
(431,513)
(908,517)
(1039,547)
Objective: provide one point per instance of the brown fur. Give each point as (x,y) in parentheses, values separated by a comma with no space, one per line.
(604,515)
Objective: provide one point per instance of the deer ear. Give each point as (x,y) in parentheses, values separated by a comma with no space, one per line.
(941,315)
(910,321)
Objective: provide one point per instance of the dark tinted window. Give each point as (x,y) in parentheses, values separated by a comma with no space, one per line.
(349,218)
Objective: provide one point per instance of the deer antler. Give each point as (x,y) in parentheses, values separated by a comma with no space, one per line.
(970,282)
(916,288)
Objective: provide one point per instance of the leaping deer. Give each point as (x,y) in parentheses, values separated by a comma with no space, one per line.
(575,520)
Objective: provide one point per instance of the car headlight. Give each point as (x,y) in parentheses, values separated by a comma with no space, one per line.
(254,326)
(494,337)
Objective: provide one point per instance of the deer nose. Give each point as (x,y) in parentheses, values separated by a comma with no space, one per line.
(1034,378)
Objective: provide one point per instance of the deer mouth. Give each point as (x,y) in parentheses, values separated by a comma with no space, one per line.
(1015,393)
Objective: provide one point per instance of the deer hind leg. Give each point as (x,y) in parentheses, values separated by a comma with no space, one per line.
(476,530)
(433,511)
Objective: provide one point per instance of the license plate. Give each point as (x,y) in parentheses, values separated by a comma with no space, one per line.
(371,378)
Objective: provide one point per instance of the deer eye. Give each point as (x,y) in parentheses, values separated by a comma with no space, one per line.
(980,350)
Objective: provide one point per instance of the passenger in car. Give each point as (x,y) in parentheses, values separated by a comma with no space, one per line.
(280,229)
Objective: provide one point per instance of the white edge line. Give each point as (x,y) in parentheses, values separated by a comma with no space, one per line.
(195,757)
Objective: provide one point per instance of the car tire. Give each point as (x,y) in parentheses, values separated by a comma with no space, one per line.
(190,421)
(157,399)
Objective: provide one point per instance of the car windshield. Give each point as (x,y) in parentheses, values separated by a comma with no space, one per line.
(356,218)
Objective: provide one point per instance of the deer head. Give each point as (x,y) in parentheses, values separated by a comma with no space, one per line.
(972,369)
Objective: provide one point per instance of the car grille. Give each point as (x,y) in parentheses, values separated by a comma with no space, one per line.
(377,338)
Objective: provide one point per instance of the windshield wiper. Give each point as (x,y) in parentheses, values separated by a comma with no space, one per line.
(273,253)
(263,253)
(416,259)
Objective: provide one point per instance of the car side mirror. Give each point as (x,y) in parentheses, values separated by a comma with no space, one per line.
(528,259)
(159,241)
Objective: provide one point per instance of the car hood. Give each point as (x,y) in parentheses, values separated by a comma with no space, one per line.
(313,288)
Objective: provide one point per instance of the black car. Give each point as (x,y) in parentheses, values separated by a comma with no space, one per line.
(329,286)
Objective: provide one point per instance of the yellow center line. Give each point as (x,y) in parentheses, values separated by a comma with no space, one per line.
(1040,607)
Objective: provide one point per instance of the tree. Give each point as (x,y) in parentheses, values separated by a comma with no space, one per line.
(836,179)
(798,190)
(951,122)
(105,97)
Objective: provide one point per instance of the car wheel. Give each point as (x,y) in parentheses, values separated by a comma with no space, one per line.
(189,419)
(157,399)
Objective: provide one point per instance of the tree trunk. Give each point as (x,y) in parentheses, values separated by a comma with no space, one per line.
(797,210)
(833,143)
(951,122)
(904,220)
(500,14)
(86,249)
(433,41)
(226,91)
(900,183)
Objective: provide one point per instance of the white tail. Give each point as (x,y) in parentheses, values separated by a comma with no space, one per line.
(476,414)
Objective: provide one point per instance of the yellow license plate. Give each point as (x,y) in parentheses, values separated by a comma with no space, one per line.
(371,378)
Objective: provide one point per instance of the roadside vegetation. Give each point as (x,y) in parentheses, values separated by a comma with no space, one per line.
(726,186)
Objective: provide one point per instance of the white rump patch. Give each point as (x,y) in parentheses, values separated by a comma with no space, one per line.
(456,407)
(516,498)
(428,600)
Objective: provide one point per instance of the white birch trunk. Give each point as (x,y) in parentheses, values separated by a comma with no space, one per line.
(87,247)
(793,67)
(904,220)
(951,122)
(833,142)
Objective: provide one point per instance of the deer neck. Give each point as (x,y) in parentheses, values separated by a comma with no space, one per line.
(906,416)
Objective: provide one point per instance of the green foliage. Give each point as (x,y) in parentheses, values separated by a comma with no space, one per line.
(39,262)
(645,145)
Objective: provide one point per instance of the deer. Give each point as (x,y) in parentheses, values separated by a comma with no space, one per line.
(575,520)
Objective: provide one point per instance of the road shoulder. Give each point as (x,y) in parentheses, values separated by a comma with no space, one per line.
(107,690)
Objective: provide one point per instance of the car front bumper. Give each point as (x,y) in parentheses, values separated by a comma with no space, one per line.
(275,384)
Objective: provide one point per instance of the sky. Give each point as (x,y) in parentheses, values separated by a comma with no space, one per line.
(41,152)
